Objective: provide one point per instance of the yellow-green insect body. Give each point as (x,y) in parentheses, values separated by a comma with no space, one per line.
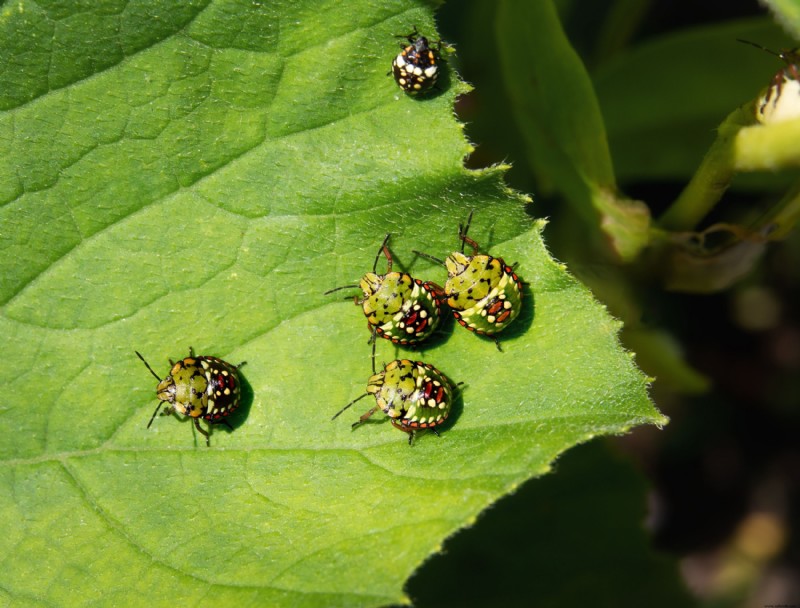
(483,291)
(198,387)
(398,307)
(413,394)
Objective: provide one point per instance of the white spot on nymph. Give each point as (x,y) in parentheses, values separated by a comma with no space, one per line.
(399,61)
(224,372)
(424,314)
(431,71)
(491,318)
(409,330)
(227,391)
(431,402)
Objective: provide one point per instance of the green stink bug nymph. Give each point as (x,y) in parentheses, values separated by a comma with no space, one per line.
(415,395)
(398,307)
(198,387)
(484,292)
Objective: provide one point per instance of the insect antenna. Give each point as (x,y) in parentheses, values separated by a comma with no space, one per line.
(374,339)
(339,289)
(157,377)
(462,234)
(385,251)
(153,417)
(408,36)
(428,257)
(462,230)
(763,48)
(336,415)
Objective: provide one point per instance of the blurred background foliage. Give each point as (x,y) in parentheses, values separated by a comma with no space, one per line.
(635,131)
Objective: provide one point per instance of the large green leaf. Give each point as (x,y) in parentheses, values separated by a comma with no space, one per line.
(200,176)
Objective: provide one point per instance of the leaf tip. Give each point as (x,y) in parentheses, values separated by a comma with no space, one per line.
(661,422)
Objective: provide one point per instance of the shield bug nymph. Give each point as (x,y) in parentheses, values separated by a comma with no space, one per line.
(198,387)
(398,307)
(414,395)
(483,291)
(416,67)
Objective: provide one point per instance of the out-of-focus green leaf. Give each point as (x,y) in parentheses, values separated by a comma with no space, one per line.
(200,176)
(662,101)
(557,541)
(787,13)
(555,105)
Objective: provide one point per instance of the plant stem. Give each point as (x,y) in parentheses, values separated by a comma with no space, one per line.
(712,177)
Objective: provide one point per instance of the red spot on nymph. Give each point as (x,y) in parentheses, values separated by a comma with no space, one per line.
(496,307)
(426,392)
